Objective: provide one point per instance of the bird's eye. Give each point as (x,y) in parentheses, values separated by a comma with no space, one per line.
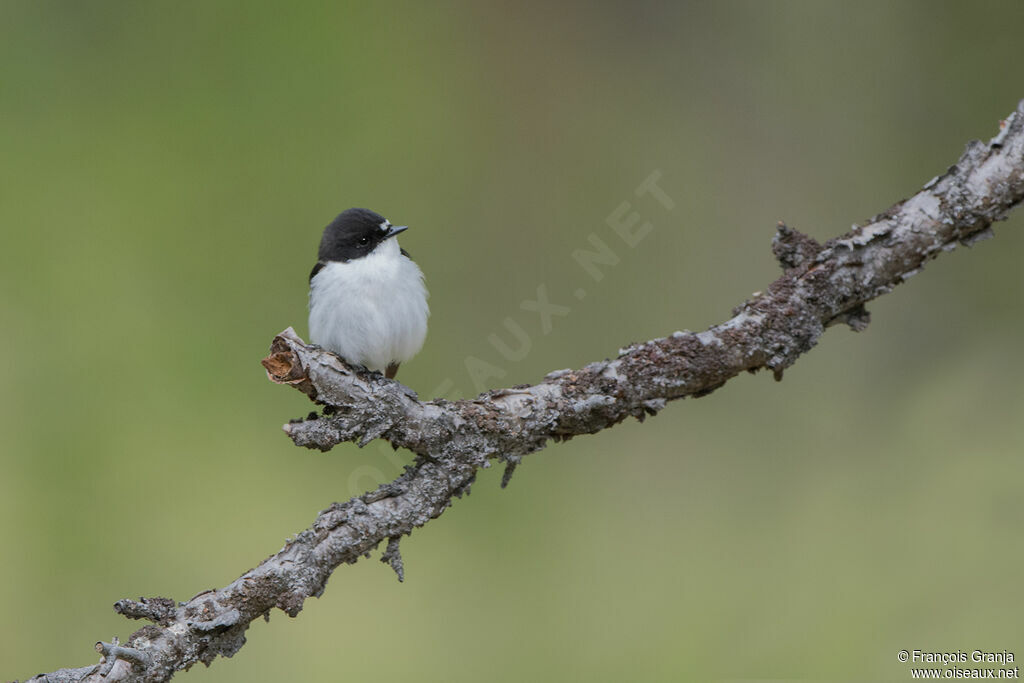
(363,241)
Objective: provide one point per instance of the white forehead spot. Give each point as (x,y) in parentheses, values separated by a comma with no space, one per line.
(386,225)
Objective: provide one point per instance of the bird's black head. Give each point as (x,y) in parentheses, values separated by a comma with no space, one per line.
(354,234)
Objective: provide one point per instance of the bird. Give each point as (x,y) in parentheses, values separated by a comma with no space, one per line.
(367,297)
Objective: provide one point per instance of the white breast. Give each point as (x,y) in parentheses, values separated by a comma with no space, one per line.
(371,311)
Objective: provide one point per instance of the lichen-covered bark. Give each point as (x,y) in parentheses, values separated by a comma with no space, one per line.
(821,285)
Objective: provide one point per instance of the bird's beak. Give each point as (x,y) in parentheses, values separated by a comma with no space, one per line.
(395,229)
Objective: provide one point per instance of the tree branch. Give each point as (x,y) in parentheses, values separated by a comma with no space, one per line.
(821,285)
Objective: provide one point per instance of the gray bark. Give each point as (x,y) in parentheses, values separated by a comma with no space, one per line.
(821,285)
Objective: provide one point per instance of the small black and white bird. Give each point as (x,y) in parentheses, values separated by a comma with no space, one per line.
(367,301)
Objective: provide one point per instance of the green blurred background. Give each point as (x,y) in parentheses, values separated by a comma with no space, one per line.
(167,170)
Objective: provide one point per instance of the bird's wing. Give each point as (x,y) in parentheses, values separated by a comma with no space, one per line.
(316,269)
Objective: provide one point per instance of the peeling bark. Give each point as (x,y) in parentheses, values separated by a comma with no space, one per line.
(821,285)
